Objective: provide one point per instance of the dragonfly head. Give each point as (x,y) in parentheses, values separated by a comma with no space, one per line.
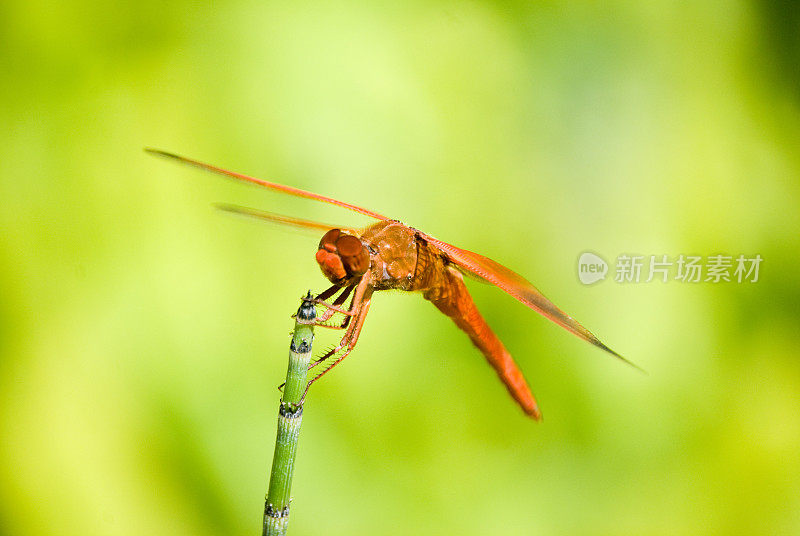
(342,256)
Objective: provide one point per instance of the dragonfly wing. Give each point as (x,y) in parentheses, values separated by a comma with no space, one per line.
(281,219)
(266,184)
(518,287)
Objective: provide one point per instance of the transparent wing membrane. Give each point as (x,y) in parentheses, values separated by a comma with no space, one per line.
(266,184)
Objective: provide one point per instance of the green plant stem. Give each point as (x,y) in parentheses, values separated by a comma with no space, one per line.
(290,416)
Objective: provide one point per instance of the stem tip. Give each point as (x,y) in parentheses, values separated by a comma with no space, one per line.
(307,312)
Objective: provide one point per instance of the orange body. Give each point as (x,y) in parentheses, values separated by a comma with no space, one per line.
(404,260)
(451,298)
(391,255)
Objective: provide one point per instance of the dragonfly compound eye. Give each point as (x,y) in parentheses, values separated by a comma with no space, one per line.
(328,241)
(354,255)
(328,259)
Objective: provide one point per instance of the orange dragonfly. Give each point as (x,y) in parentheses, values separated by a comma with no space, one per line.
(391,255)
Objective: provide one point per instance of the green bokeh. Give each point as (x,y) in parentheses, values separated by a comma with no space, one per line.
(142,333)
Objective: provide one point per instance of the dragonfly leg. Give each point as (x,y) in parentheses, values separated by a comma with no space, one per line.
(359,295)
(322,324)
(332,310)
(347,340)
(351,311)
(326,355)
(324,295)
(338,360)
(329,353)
(320,321)
(347,318)
(347,343)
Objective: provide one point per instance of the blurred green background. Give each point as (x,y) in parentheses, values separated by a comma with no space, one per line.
(143,333)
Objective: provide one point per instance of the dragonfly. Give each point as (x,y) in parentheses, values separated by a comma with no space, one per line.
(391,255)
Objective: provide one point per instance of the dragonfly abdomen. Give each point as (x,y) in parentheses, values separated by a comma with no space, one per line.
(452,298)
